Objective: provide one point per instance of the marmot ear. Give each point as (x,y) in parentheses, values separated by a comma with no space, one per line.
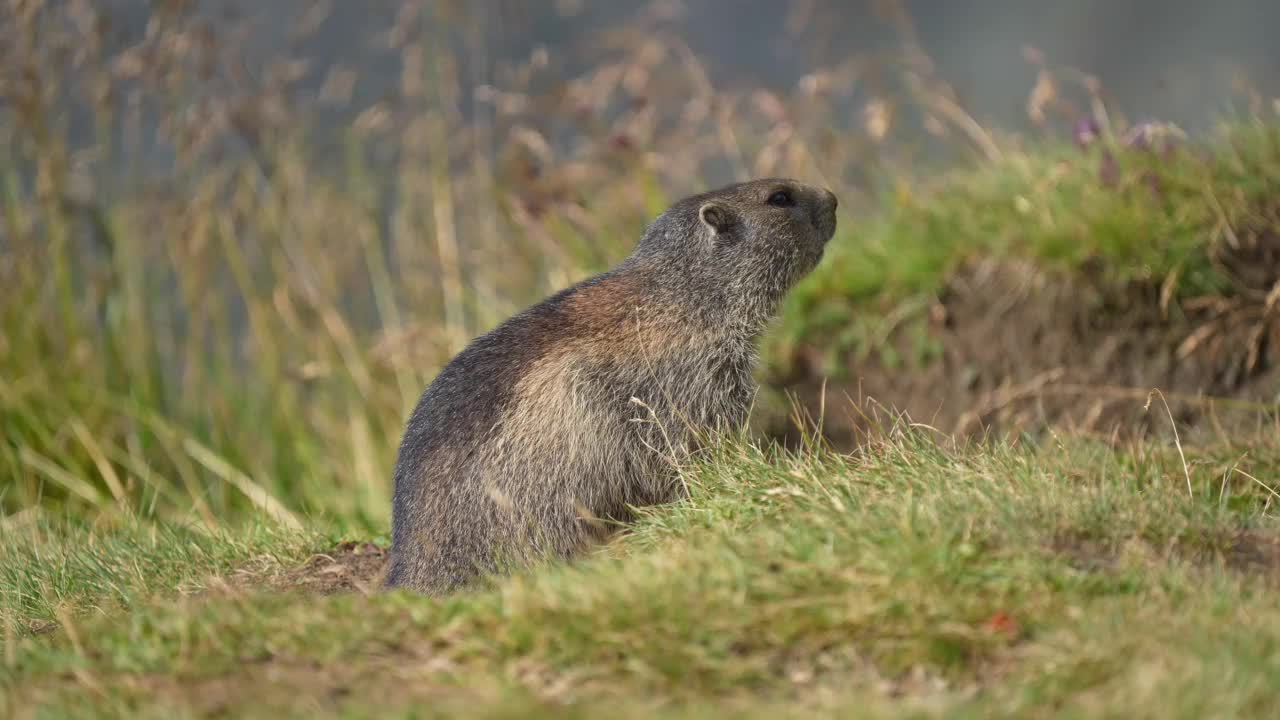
(715,216)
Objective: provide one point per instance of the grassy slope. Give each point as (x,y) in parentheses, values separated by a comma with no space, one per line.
(1154,215)
(968,581)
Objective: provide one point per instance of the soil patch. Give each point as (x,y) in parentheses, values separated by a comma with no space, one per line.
(1254,554)
(1016,349)
(282,686)
(350,566)
(1246,552)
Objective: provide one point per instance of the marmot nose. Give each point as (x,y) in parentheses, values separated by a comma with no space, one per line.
(832,199)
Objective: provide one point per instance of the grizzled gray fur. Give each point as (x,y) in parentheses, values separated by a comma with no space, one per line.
(537,438)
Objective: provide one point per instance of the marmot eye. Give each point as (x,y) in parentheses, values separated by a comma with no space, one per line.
(782,198)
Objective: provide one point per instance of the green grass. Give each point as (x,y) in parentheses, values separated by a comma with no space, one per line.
(1065,580)
(51,568)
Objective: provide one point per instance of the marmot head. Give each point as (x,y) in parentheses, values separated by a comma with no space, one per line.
(744,245)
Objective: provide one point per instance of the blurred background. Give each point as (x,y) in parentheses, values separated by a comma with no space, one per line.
(239,238)
(1180,61)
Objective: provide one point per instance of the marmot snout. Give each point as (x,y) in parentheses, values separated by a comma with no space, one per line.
(537,438)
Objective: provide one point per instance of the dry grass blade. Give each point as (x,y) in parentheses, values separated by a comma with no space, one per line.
(105,469)
(1177,441)
(251,490)
(62,477)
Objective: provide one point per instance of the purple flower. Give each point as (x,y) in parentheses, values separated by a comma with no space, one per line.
(1086,131)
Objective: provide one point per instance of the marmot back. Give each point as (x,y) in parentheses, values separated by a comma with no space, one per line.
(535,439)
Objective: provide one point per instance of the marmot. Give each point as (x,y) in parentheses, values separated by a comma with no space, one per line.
(539,436)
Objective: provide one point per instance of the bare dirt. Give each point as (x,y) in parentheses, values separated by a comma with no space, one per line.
(1254,553)
(349,566)
(1249,553)
(1022,350)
